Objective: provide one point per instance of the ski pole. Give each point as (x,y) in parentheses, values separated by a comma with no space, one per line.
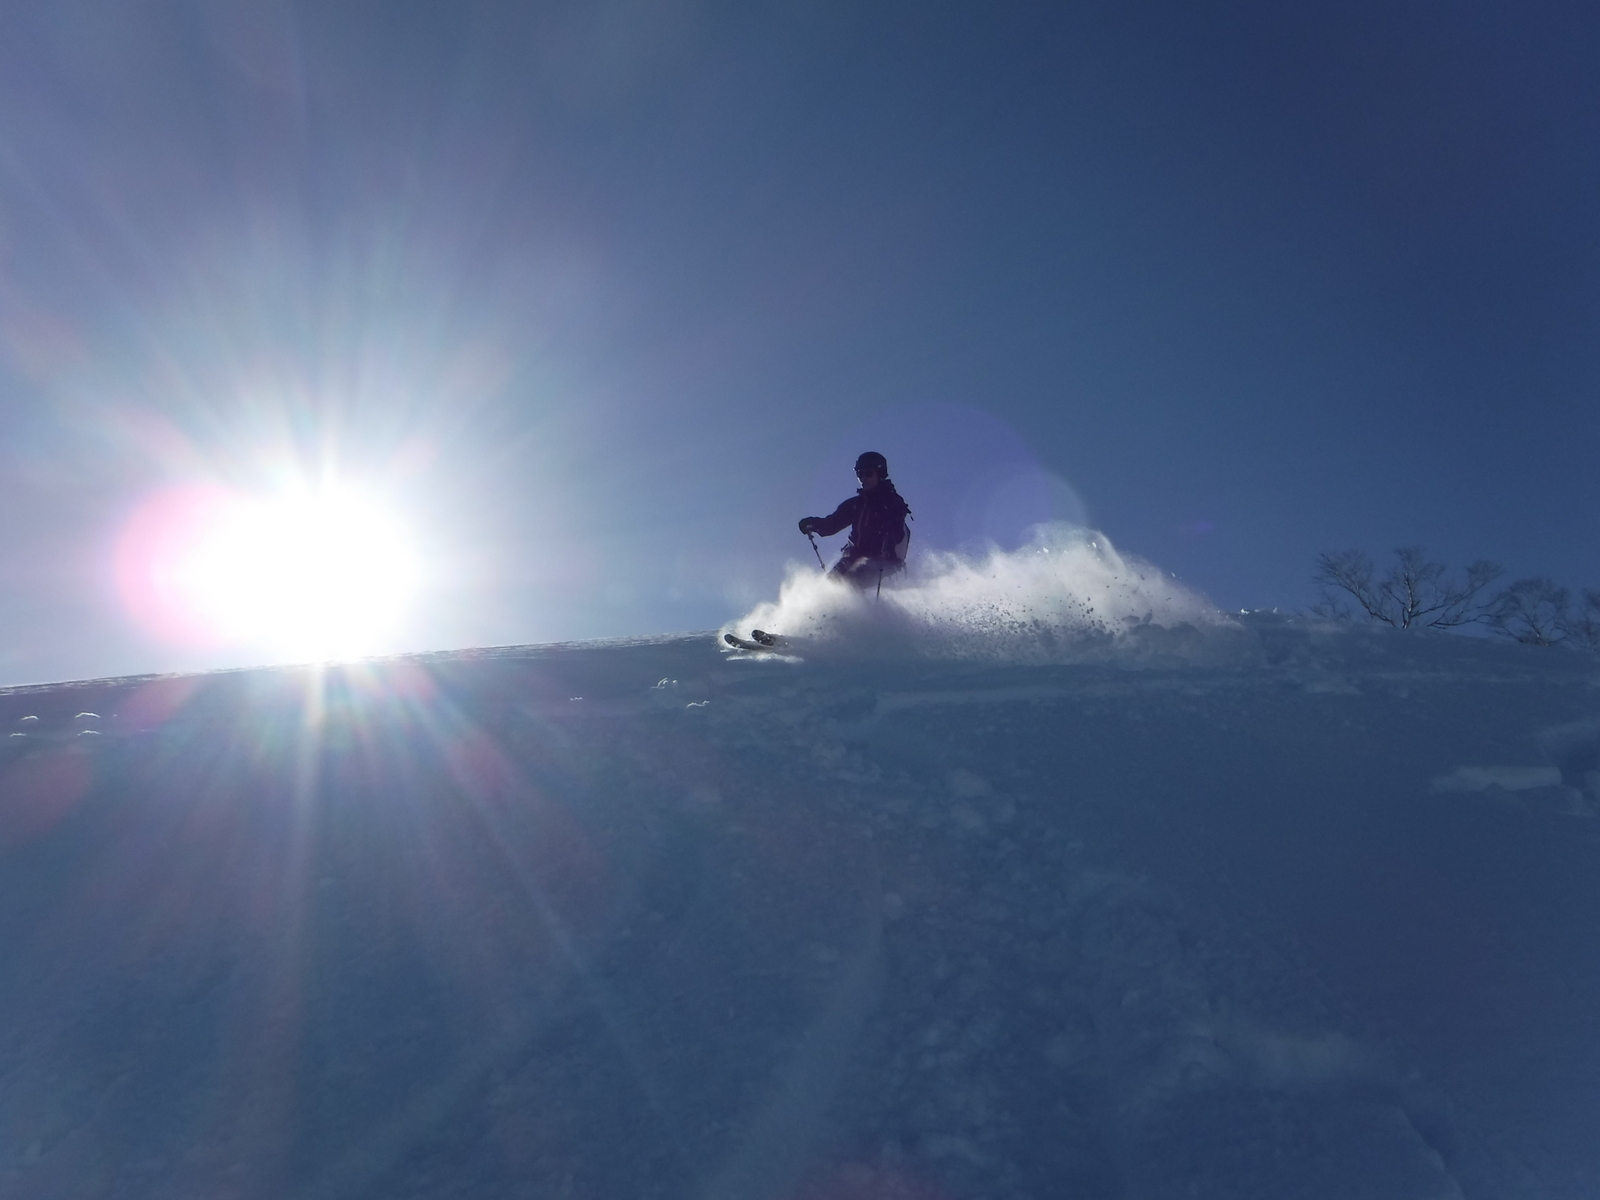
(820,563)
(878,594)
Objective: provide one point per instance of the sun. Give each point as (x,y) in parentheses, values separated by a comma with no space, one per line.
(311,573)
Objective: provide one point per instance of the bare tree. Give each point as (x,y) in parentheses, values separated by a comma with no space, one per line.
(1413,594)
(1533,611)
(1582,627)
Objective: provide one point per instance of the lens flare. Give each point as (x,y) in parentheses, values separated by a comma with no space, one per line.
(310,574)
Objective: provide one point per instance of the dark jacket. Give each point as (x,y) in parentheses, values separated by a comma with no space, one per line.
(877,521)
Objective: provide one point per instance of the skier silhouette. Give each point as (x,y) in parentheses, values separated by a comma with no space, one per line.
(877,516)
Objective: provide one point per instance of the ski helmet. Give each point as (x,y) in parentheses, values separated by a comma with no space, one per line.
(873,461)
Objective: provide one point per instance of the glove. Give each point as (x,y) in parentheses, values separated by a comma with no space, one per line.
(806,525)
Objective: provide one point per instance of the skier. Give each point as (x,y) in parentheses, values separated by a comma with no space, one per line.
(877,518)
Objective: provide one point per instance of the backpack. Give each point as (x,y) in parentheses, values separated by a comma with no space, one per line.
(898,549)
(904,544)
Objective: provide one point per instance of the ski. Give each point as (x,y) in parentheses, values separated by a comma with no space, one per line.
(759,640)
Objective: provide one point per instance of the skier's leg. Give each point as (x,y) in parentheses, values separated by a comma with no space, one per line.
(864,573)
(848,570)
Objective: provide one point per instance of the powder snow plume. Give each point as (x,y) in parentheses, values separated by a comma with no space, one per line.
(1067,596)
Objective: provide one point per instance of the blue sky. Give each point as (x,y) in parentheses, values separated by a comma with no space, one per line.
(600,298)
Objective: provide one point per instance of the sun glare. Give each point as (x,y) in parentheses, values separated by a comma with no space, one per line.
(311,574)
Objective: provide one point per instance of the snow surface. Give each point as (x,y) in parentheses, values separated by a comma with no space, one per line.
(1234,907)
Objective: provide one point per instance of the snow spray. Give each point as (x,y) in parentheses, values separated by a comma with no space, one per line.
(1068,595)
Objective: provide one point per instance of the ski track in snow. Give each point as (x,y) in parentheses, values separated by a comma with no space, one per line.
(1247,907)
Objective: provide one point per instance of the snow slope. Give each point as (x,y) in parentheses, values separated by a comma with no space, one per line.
(1253,908)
